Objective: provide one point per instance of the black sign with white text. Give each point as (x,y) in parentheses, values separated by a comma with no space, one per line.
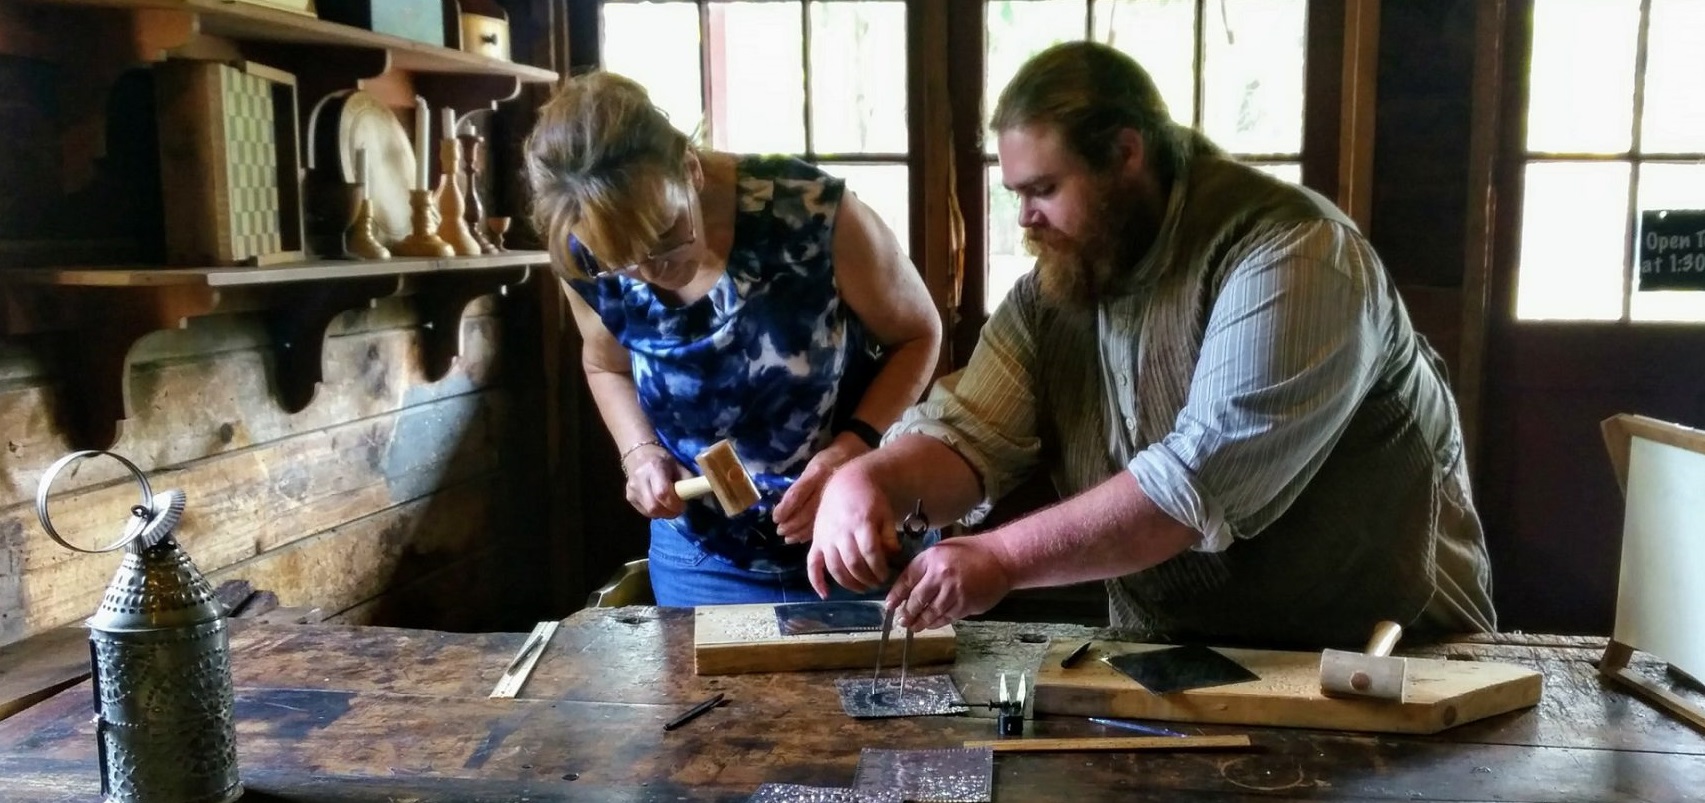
(1672,249)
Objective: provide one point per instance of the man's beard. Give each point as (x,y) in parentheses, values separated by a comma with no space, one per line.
(1080,271)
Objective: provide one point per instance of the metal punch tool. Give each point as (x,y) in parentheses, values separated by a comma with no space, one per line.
(912,530)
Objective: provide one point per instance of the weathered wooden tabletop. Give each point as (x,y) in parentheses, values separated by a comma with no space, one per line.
(346,714)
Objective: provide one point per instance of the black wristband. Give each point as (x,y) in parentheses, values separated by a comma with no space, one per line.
(865,432)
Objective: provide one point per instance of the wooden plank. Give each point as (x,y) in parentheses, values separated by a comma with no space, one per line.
(247,21)
(37,668)
(206,390)
(348,564)
(292,271)
(1098,744)
(463,596)
(248,502)
(734,639)
(1437,695)
(297,744)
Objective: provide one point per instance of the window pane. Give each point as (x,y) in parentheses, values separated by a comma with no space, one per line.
(1675,62)
(1017,30)
(858,77)
(1291,172)
(1574,230)
(1252,75)
(757,91)
(1581,76)
(1161,36)
(1669,186)
(885,189)
(1007,258)
(657,44)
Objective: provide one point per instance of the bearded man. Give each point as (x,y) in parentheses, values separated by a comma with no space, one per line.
(1252,443)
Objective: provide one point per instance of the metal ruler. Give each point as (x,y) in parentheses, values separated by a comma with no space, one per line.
(515,675)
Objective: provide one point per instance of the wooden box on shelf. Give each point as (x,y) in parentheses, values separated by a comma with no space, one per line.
(484,28)
(305,7)
(229,163)
(418,20)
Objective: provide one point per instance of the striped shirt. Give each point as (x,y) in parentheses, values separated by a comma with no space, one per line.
(1292,346)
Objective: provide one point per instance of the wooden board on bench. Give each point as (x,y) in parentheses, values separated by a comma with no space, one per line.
(735,639)
(1439,694)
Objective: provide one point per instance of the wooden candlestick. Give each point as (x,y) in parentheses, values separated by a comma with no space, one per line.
(422,242)
(475,210)
(498,226)
(358,239)
(452,228)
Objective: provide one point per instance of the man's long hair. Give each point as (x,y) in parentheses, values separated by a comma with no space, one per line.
(1091,91)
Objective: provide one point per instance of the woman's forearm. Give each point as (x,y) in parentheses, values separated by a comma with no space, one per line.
(901,382)
(618,404)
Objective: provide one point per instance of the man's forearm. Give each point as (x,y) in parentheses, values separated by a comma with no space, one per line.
(918,467)
(1110,530)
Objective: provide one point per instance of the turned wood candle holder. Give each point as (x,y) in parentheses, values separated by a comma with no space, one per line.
(452,228)
(422,242)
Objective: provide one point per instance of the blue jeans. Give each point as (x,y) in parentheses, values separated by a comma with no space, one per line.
(684,575)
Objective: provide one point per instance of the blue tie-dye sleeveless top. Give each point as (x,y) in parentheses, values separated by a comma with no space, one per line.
(771,359)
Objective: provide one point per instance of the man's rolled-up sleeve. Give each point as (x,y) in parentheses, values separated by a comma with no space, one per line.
(986,411)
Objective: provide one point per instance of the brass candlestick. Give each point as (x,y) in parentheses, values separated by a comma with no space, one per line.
(475,210)
(358,239)
(452,228)
(422,242)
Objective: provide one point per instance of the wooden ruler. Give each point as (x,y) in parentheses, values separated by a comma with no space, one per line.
(515,675)
(1099,743)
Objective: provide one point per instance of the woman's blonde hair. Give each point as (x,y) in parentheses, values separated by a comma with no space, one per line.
(607,167)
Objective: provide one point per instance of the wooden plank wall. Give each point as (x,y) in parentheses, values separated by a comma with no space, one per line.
(389,499)
(386,488)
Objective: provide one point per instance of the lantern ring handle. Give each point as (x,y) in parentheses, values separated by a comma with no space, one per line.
(140,514)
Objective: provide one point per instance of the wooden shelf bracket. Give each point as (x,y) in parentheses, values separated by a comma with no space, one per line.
(298,317)
(441,299)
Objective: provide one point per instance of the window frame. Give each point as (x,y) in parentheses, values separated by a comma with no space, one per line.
(712,40)
(945,66)
(1518,157)
(1340,68)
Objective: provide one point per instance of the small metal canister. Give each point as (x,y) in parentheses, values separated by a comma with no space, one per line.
(161,660)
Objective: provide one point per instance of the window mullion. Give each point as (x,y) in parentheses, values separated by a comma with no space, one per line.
(1198,103)
(707,118)
(805,75)
(1632,232)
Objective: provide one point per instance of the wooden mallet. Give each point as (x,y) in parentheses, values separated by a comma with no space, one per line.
(724,475)
(1371,673)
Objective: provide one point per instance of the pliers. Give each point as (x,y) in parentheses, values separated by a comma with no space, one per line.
(912,530)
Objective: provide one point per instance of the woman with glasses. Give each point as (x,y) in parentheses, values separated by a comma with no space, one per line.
(723,296)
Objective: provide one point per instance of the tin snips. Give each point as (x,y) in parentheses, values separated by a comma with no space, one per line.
(912,531)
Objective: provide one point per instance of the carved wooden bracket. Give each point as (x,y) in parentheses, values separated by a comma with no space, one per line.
(101,324)
(299,315)
(441,299)
(94,390)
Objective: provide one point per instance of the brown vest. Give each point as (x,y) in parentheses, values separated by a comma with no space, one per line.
(1358,544)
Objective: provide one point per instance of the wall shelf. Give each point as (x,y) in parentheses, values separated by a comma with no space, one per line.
(279,273)
(251,23)
(104,311)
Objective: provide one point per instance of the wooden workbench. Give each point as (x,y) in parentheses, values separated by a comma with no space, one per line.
(345,714)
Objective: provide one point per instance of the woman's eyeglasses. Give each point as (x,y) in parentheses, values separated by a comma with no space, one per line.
(662,259)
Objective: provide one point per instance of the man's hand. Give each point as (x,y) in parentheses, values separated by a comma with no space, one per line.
(651,484)
(796,513)
(956,578)
(854,533)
